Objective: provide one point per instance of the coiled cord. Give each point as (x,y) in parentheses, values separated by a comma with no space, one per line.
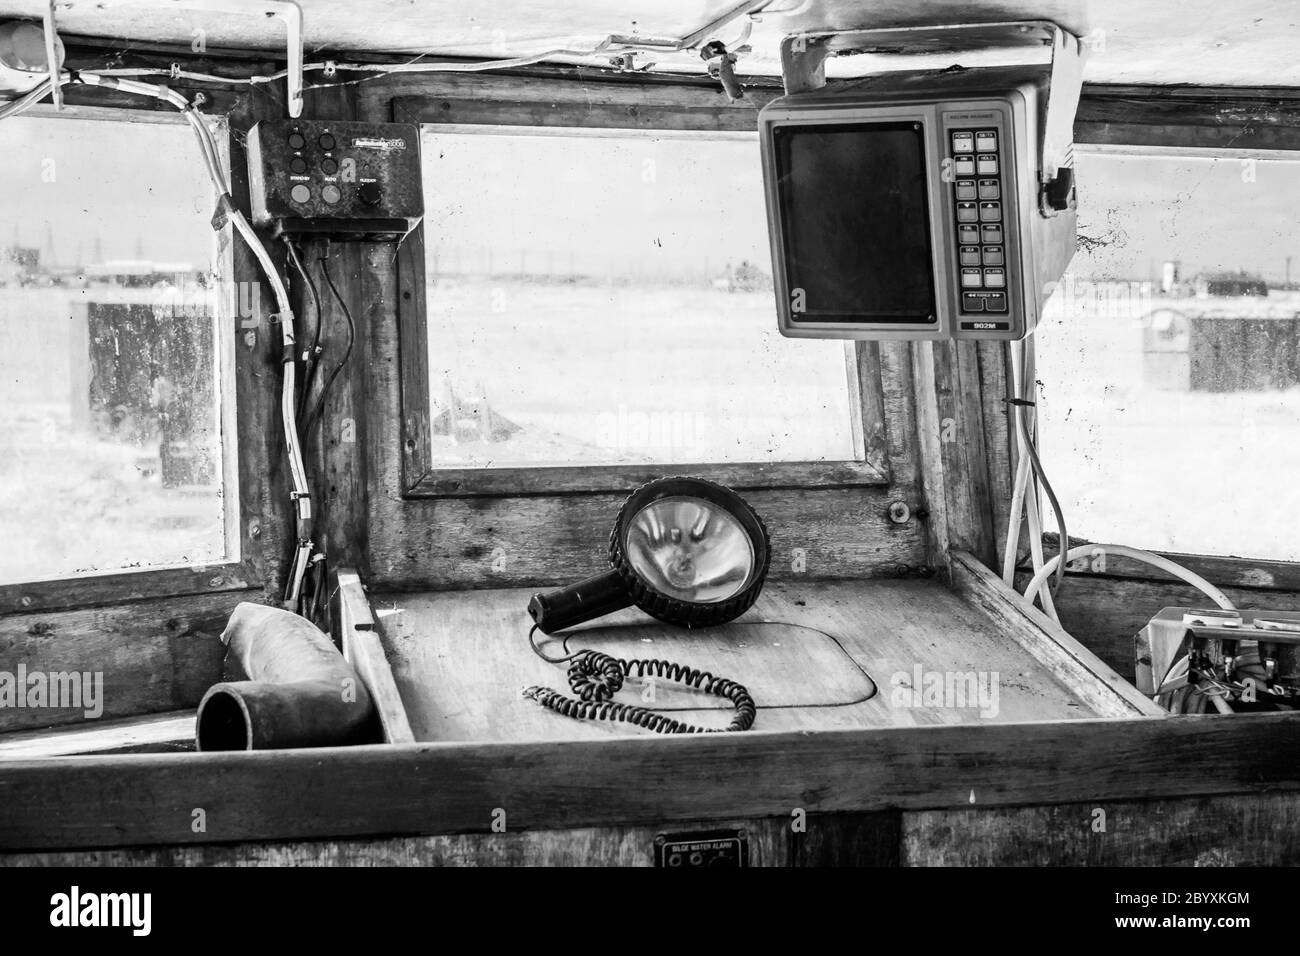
(595,678)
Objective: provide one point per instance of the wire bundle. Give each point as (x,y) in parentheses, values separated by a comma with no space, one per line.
(595,678)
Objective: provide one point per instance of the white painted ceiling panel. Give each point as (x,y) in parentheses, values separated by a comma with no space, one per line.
(1217,42)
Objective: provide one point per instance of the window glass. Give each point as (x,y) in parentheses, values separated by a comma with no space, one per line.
(109,370)
(1169,357)
(602,299)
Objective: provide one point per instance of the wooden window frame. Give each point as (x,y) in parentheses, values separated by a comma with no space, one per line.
(241,485)
(684,113)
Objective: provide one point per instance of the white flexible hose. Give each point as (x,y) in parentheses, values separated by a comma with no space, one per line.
(1036,551)
(1137,554)
(1024,497)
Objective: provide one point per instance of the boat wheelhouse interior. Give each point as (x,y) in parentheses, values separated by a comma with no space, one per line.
(671,434)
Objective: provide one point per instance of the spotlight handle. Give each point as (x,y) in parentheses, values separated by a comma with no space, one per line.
(595,597)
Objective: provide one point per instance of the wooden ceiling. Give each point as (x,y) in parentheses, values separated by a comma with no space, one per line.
(1212,42)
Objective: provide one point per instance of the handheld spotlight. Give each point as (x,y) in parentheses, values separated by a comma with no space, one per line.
(684,550)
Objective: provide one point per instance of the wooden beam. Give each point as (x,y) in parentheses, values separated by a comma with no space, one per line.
(68,802)
(828,839)
(364,651)
(1239,830)
(1189,117)
(1104,690)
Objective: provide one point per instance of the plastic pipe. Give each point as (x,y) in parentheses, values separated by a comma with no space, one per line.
(298,690)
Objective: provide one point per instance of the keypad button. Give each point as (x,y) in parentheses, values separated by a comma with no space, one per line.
(970,278)
(966,189)
(963,142)
(995,279)
(328,166)
(986,141)
(995,302)
(989,189)
(967,212)
(968,234)
(971,302)
(991,234)
(990,212)
(992,256)
(970,255)
(986,165)
(300,193)
(326,141)
(330,193)
(297,141)
(964,166)
(298,165)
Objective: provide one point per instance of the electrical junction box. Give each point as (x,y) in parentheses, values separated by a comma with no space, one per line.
(24,62)
(326,178)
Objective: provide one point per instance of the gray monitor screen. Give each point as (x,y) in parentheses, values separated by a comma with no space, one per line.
(856,223)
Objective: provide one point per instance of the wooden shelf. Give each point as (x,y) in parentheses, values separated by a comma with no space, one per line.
(808,652)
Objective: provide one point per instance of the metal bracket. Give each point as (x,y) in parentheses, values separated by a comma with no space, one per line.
(803,66)
(286,10)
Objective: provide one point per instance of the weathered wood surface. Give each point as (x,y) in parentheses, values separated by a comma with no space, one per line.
(956,416)
(461,658)
(1238,119)
(1241,830)
(1105,690)
(154,655)
(363,650)
(335,793)
(831,839)
(151,733)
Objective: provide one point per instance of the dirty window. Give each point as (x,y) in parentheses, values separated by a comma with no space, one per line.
(605,298)
(1169,357)
(110,367)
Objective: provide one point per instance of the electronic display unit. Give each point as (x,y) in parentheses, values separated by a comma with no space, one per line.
(910,213)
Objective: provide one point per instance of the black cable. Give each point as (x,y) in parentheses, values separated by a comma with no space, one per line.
(595,678)
(311,357)
(347,352)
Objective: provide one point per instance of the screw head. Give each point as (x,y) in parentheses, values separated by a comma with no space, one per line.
(899,512)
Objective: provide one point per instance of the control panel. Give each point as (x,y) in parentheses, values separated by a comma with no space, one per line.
(702,850)
(982,197)
(356,180)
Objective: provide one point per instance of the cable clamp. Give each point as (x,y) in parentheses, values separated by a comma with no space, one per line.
(331,68)
(1024,402)
(175,71)
(225,209)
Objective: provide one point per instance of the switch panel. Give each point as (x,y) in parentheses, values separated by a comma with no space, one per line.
(353,180)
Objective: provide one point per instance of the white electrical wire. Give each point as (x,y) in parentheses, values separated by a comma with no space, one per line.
(1137,554)
(211,160)
(1024,497)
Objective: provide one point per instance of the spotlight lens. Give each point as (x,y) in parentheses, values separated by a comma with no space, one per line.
(690,549)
